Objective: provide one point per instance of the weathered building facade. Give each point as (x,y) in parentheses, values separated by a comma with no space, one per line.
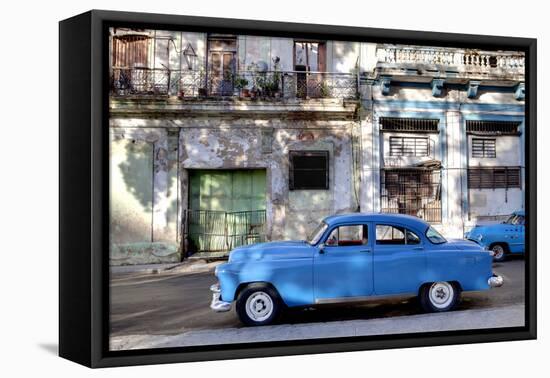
(222,140)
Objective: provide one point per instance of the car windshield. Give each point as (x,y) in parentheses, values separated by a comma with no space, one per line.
(434,236)
(317,233)
(514,219)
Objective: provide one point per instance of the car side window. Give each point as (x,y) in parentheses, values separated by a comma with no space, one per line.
(348,235)
(392,235)
(395,235)
(412,238)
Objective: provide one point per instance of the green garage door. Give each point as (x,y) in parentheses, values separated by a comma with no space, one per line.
(226,208)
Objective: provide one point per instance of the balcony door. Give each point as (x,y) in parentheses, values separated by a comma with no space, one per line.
(309,64)
(130,62)
(222,53)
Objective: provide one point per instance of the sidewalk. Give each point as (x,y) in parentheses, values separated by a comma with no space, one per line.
(187,266)
(509,316)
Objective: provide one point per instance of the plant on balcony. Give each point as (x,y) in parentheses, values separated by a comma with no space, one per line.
(324,90)
(240,84)
(203,92)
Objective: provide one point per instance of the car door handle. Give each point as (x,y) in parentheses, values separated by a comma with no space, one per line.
(418,248)
(365,251)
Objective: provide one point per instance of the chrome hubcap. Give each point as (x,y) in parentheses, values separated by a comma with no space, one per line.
(498,251)
(259,306)
(441,294)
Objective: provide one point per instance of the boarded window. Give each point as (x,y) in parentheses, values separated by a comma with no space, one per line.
(484,148)
(494,178)
(406,146)
(492,127)
(413,125)
(308,170)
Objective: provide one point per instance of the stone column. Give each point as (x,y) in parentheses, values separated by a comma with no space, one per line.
(454,138)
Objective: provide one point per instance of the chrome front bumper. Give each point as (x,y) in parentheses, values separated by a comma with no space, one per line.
(495,281)
(217,304)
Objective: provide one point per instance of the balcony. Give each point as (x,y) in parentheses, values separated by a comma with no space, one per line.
(464,63)
(265,85)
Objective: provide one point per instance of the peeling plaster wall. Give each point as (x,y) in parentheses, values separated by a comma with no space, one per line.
(203,143)
(290,214)
(144,198)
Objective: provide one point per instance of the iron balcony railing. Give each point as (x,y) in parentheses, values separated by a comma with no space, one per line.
(247,84)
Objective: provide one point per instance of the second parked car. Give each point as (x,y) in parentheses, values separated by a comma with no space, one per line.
(503,238)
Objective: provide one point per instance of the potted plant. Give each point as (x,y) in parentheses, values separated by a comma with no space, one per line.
(240,84)
(324,90)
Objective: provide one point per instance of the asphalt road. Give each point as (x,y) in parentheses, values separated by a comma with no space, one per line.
(165,304)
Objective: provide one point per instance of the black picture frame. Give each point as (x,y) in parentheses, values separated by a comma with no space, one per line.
(83,196)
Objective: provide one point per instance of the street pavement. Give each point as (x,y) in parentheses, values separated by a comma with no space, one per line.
(157,309)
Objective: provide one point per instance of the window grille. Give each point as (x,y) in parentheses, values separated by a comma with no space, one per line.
(412,191)
(418,125)
(407,146)
(484,148)
(492,127)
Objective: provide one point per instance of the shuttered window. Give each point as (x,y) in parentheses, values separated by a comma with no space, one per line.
(407,146)
(308,170)
(484,148)
(413,125)
(130,51)
(494,178)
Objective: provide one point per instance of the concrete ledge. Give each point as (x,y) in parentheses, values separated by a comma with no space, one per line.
(509,316)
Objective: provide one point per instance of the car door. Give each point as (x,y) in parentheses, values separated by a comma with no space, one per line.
(399,259)
(342,266)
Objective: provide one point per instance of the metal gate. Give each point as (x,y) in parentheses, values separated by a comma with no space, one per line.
(221,231)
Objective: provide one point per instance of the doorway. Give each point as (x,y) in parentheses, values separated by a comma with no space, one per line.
(226,209)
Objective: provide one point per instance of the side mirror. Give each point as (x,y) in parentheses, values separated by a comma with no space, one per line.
(322,248)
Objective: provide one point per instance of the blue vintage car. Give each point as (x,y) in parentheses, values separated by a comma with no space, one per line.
(502,238)
(350,258)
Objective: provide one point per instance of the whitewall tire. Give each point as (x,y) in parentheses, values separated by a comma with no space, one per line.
(439,296)
(258,304)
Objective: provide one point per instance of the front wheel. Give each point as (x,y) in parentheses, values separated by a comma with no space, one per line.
(258,304)
(499,253)
(439,296)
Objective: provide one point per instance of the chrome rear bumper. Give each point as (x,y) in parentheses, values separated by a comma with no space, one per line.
(495,281)
(217,304)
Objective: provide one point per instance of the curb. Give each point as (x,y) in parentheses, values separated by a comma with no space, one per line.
(499,317)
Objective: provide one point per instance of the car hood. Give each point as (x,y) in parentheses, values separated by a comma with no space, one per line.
(272,250)
(488,228)
(464,245)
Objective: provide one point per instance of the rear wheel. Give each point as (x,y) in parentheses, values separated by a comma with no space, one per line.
(258,304)
(439,296)
(499,252)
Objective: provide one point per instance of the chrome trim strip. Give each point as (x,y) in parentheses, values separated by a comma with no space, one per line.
(367,298)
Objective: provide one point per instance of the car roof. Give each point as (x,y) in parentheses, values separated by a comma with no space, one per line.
(407,220)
